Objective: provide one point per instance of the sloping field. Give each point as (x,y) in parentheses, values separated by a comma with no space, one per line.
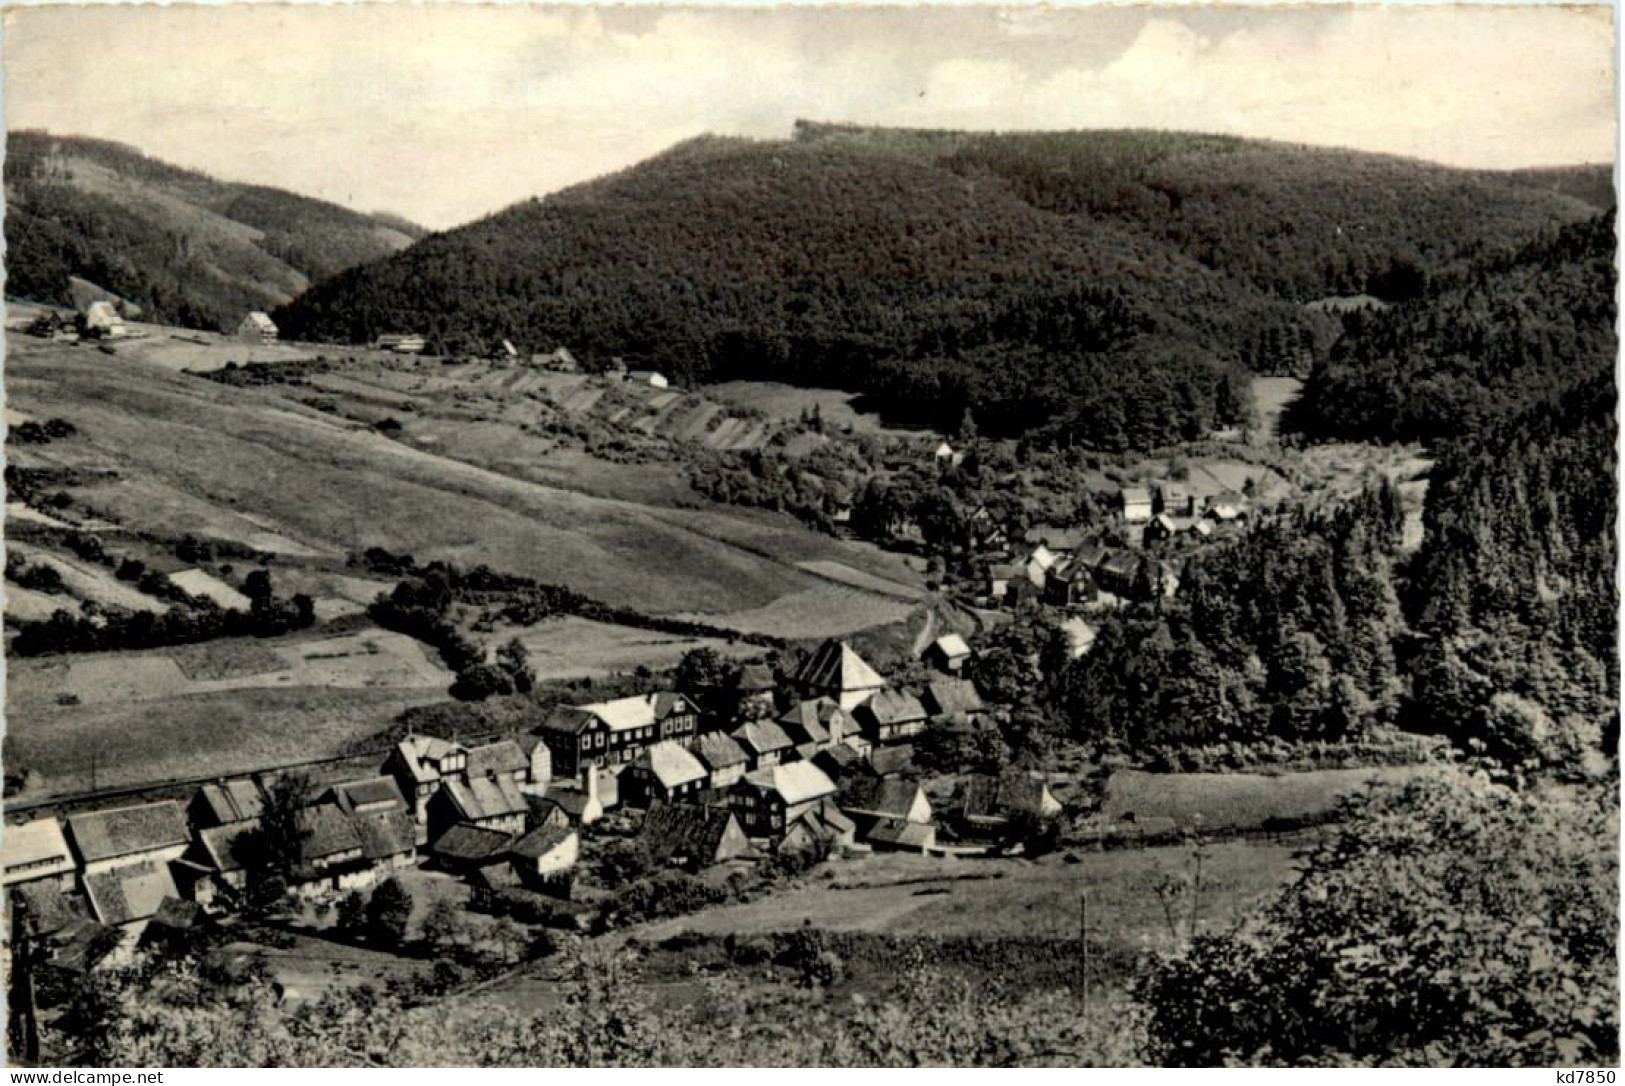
(785,403)
(845,574)
(197,582)
(91,583)
(230,731)
(375,659)
(335,487)
(577,648)
(1220,801)
(825,611)
(25,604)
(925,895)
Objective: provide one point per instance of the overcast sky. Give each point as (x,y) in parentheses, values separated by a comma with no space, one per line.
(445,114)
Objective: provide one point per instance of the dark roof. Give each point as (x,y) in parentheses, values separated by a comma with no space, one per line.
(231,801)
(754,679)
(889,760)
(896,831)
(385,834)
(131,892)
(893,707)
(718,750)
(804,721)
(505,756)
(471,843)
(874,795)
(53,907)
(999,797)
(219,844)
(367,792)
(329,832)
(538,843)
(762,736)
(839,761)
(947,697)
(485,795)
(673,831)
(180,915)
(107,835)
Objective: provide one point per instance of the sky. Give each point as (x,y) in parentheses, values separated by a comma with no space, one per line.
(448,113)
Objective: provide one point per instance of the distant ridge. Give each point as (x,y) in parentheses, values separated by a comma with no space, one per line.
(189,249)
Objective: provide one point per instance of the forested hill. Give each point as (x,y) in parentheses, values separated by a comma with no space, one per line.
(1013,274)
(1476,345)
(189,249)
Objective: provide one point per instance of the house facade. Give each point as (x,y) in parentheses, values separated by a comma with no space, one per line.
(615,732)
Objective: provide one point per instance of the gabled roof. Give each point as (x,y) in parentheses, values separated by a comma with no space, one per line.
(1004,571)
(893,707)
(261,321)
(839,760)
(329,831)
(219,845)
(504,756)
(948,697)
(1136,494)
(762,737)
(835,668)
(52,906)
(231,801)
(539,842)
(754,679)
(368,793)
(671,764)
(1091,556)
(952,646)
(795,782)
(470,843)
(904,834)
(621,714)
(386,834)
(718,750)
(887,761)
(488,795)
(1123,563)
(419,753)
(682,831)
(127,831)
(131,892)
(876,796)
(804,721)
(1000,797)
(38,846)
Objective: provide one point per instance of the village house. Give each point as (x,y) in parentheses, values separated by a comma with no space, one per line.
(585,802)
(987,533)
(692,837)
(764,743)
(836,672)
(869,800)
(988,804)
(1070,583)
(257,328)
(901,835)
(892,761)
(948,654)
(149,832)
(769,799)
(508,757)
(725,761)
(753,688)
(464,849)
(947,456)
(815,724)
(382,819)
(1120,573)
(127,896)
(419,763)
(891,716)
(823,827)
(35,851)
(841,761)
(1038,565)
(331,853)
(1058,541)
(1175,499)
(953,700)
(559,360)
(213,865)
(615,732)
(652,378)
(1000,576)
(1135,503)
(664,773)
(546,857)
(491,800)
(221,803)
